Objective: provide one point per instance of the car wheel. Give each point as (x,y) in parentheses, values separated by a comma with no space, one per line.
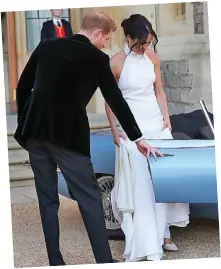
(106,184)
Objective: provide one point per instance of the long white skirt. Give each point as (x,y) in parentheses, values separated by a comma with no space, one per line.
(151,221)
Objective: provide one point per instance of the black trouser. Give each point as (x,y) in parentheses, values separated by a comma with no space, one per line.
(78,173)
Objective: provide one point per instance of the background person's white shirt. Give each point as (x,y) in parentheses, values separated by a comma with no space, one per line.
(56,20)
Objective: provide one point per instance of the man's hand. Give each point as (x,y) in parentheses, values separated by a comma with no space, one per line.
(146,149)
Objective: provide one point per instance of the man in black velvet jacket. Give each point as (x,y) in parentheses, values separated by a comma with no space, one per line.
(53,126)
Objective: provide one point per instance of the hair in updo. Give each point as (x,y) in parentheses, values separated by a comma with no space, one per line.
(138,27)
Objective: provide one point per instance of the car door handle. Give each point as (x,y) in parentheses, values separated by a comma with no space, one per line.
(166,155)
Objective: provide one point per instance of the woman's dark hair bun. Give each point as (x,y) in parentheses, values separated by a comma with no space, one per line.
(125,23)
(139,27)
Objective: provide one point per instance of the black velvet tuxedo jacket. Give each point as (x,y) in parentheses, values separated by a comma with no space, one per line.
(48,30)
(64,74)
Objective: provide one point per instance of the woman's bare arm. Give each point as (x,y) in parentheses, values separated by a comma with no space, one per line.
(160,94)
(116,64)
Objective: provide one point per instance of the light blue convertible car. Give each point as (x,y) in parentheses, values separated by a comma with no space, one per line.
(186,175)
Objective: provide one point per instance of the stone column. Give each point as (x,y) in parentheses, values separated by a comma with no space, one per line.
(96,104)
(12,58)
(75,19)
(111,50)
(5,60)
(21,41)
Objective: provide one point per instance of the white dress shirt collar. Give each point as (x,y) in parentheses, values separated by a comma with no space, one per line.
(55,20)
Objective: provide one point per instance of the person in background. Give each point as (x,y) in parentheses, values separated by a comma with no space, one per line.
(56,27)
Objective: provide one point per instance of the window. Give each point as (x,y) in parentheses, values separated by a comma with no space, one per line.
(34,22)
(180,11)
(183,8)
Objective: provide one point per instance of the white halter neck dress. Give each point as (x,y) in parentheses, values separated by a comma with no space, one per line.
(150,220)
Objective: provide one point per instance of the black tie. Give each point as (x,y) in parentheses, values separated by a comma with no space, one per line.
(58,23)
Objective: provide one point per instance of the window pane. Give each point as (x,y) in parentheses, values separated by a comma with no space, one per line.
(65,13)
(32,14)
(44,13)
(183,8)
(34,33)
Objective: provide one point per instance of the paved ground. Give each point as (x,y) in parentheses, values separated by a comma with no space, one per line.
(195,241)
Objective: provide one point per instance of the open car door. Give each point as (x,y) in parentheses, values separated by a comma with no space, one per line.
(187,174)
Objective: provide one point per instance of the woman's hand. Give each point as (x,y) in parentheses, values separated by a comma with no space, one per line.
(117,135)
(146,149)
(167,125)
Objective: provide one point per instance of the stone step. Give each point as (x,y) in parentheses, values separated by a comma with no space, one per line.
(20,175)
(17,156)
(21,183)
(11,123)
(20,171)
(12,143)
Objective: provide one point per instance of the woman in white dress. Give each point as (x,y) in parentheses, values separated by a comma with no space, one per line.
(137,70)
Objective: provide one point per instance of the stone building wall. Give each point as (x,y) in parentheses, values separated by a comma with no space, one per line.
(178,84)
(185,64)
(186,74)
